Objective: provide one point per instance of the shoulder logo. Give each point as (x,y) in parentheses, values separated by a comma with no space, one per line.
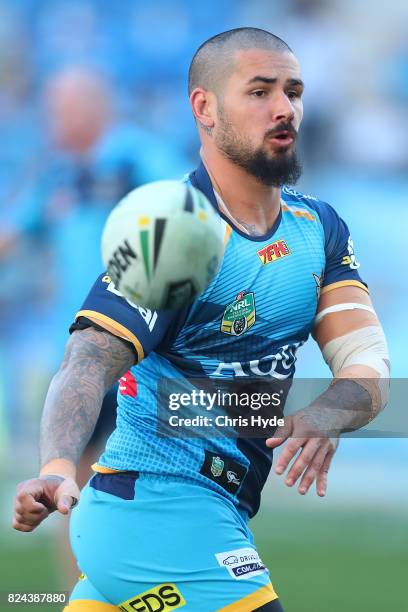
(319,282)
(272,252)
(149,316)
(350,259)
(239,316)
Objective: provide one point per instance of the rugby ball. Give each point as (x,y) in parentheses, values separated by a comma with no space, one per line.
(162,244)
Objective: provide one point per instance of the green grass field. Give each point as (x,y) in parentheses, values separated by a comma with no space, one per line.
(320,560)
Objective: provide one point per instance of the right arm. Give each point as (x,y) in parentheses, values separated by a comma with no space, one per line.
(93,361)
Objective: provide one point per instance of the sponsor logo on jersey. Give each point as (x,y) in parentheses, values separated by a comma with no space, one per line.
(128,385)
(350,259)
(230,560)
(278,365)
(273,252)
(239,316)
(149,316)
(242,563)
(297,194)
(161,598)
(217,466)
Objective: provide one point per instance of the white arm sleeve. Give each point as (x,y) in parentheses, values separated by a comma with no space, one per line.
(365,346)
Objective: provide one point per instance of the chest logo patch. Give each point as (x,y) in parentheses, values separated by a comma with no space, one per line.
(239,316)
(272,252)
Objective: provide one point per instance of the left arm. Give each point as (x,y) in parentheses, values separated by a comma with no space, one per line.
(353,345)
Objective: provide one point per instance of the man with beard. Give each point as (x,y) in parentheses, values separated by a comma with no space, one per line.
(163,522)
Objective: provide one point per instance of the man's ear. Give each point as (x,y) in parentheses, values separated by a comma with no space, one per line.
(203,103)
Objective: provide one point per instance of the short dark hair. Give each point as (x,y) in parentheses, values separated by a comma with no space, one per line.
(213,61)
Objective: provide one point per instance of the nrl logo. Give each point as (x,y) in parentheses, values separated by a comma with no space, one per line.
(217,466)
(239,316)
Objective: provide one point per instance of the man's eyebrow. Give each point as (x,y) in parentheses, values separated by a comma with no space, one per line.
(296,82)
(273,80)
(262,79)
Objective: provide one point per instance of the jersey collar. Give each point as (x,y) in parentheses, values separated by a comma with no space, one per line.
(200,179)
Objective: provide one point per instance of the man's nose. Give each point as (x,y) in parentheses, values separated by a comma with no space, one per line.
(282,109)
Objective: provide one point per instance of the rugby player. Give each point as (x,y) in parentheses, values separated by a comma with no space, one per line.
(162,524)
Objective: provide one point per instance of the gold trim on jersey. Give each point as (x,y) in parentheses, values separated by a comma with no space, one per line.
(88,605)
(298,212)
(346,283)
(253,601)
(228,232)
(121,329)
(101,469)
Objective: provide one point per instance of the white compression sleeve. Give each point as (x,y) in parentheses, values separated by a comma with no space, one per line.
(365,346)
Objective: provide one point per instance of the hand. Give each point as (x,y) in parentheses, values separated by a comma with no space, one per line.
(38,497)
(313,462)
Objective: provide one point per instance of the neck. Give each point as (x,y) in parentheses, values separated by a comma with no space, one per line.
(252,204)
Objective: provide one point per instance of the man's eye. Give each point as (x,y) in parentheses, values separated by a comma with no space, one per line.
(293,94)
(258,93)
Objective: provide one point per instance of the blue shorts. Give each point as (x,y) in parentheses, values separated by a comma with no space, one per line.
(148,543)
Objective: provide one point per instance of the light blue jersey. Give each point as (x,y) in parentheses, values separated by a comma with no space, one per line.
(249,323)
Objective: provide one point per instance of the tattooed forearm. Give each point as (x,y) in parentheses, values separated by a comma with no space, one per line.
(93,361)
(345,406)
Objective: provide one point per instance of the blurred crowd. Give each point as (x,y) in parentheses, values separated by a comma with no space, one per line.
(93,103)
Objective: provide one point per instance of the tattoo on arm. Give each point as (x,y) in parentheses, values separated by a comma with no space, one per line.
(345,406)
(93,361)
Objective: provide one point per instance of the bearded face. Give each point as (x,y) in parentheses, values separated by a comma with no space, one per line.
(273,166)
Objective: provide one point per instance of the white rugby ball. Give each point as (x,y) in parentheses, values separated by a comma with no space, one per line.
(162,244)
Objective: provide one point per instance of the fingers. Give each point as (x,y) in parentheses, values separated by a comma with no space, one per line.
(303,461)
(66,503)
(29,491)
(38,497)
(26,500)
(281,434)
(312,464)
(313,471)
(28,521)
(286,456)
(321,482)
(28,512)
(67,496)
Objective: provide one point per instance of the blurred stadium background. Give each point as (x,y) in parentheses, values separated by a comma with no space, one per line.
(93,102)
